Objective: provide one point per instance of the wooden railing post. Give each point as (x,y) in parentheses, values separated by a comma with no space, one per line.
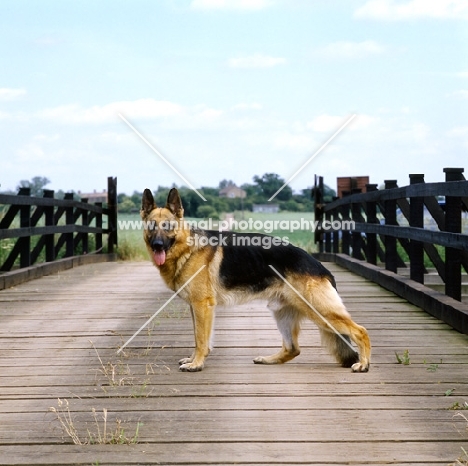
(453,224)
(318,210)
(391,261)
(69,220)
(98,236)
(49,222)
(336,233)
(328,233)
(416,219)
(25,222)
(112,218)
(84,222)
(345,234)
(371,214)
(356,236)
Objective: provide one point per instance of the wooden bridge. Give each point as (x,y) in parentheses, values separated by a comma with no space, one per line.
(58,340)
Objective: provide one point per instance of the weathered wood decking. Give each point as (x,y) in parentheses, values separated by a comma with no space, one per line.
(308,411)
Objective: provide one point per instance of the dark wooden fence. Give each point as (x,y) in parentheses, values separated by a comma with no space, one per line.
(45,229)
(388,227)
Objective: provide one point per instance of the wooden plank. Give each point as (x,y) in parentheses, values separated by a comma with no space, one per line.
(247,425)
(309,411)
(267,453)
(244,373)
(219,402)
(230,388)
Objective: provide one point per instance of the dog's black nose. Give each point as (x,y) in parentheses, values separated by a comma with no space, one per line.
(157,244)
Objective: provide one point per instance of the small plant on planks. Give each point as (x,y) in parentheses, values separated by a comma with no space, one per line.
(102,433)
(403,358)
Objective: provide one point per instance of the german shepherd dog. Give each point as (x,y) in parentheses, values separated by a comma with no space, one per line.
(295,284)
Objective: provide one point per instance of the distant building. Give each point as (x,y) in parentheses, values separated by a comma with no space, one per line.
(232,191)
(94,196)
(348,183)
(265,208)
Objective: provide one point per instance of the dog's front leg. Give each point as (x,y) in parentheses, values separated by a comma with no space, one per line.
(192,357)
(203,317)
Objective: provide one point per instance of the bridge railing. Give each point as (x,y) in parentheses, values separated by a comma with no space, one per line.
(44,229)
(399,227)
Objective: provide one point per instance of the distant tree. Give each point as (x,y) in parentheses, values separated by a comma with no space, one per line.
(127,206)
(136,198)
(209,191)
(328,193)
(190,201)
(291,206)
(206,211)
(250,189)
(269,183)
(36,185)
(225,183)
(160,195)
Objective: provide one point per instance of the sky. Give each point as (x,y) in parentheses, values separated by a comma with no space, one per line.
(230,89)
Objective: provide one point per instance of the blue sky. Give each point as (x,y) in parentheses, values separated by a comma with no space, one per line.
(231,89)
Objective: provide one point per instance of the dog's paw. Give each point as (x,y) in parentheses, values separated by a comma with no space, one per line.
(191,367)
(185,361)
(360,367)
(265,360)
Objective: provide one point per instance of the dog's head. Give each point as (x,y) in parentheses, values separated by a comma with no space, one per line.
(162,224)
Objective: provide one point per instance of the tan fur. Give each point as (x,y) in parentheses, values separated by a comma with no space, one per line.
(206,291)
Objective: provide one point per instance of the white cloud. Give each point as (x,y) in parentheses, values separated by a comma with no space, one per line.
(142,108)
(11,94)
(47,41)
(245,106)
(299,143)
(463,93)
(32,152)
(325,123)
(413,9)
(330,123)
(230,4)
(255,61)
(46,138)
(210,114)
(351,50)
(458,131)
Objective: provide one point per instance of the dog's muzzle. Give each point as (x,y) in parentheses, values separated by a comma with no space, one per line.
(159,247)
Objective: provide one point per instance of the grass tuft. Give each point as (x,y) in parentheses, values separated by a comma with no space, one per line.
(403,358)
(103,434)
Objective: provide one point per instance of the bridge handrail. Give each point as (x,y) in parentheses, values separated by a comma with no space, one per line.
(62,226)
(364,210)
(450,188)
(387,227)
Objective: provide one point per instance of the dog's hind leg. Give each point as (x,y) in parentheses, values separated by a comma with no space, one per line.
(288,321)
(203,319)
(340,347)
(336,325)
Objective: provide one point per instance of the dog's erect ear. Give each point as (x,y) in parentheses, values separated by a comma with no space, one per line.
(147,203)
(174,203)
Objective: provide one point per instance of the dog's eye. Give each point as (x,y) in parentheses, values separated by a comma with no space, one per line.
(166,225)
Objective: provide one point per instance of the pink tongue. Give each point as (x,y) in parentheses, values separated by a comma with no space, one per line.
(159,257)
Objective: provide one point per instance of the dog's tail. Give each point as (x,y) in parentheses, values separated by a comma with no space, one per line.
(343,353)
